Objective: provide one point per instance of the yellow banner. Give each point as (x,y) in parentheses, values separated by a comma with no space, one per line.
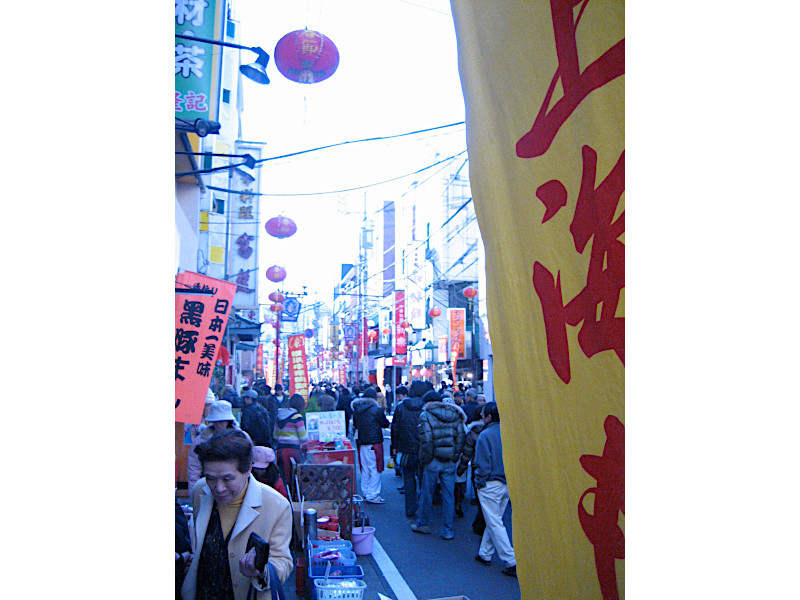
(544,90)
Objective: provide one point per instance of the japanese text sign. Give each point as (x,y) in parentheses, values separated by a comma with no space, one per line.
(545,105)
(298,369)
(400,335)
(458,329)
(200,321)
(325,426)
(198,67)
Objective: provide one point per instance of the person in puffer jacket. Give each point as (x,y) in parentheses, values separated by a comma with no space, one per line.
(441,439)
(405,440)
(369,421)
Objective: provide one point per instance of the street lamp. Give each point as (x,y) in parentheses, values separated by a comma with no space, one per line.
(256,71)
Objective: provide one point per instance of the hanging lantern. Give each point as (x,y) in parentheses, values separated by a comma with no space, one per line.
(306,56)
(386,331)
(309,333)
(415,373)
(426,372)
(281,227)
(373,333)
(435,311)
(276,273)
(276,297)
(277,307)
(404,324)
(470,292)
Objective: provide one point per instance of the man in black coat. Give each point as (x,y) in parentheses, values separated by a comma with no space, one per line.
(405,440)
(369,420)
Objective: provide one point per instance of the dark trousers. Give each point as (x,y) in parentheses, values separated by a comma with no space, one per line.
(412,479)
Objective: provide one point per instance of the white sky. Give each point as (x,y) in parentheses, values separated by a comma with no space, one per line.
(397,73)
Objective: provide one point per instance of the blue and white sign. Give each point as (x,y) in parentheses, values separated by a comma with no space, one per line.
(291,309)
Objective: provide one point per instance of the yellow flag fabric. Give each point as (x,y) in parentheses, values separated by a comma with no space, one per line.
(544,91)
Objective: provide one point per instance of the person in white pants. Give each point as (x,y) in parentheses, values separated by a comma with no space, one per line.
(490,482)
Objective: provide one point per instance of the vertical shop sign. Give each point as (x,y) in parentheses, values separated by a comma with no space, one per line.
(200,322)
(444,354)
(198,66)
(458,328)
(400,335)
(298,368)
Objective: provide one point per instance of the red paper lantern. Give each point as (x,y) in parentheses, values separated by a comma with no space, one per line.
(306,56)
(435,311)
(373,333)
(470,292)
(276,273)
(277,307)
(281,227)
(276,297)
(426,372)
(415,373)
(386,331)
(405,324)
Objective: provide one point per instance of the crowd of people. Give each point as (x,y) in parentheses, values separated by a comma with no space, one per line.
(238,471)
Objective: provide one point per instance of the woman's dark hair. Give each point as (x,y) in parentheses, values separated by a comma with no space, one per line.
(326,402)
(231,444)
(490,410)
(401,391)
(297,402)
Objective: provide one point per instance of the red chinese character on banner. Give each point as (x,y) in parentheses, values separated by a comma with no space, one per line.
(601,527)
(594,211)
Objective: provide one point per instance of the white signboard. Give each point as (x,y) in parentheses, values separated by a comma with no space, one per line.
(325,426)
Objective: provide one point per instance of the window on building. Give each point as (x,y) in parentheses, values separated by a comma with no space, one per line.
(226,96)
(219,206)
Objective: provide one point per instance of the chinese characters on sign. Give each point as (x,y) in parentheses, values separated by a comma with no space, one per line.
(400,335)
(594,210)
(458,328)
(594,308)
(298,369)
(601,527)
(196,66)
(200,321)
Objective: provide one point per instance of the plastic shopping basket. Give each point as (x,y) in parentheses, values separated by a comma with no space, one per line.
(340,589)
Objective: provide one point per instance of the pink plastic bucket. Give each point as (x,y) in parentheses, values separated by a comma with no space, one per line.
(362,540)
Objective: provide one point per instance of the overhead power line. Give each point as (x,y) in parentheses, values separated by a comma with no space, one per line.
(373,139)
(338,191)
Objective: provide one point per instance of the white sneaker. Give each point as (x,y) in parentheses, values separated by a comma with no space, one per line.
(376,500)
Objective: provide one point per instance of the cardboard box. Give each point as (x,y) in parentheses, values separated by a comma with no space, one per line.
(323,508)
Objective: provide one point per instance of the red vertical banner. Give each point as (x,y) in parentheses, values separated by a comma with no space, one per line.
(201,316)
(260,359)
(400,335)
(298,369)
(458,328)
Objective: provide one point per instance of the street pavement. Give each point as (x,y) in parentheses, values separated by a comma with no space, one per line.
(410,566)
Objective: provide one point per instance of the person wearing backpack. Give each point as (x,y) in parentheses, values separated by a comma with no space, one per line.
(255,420)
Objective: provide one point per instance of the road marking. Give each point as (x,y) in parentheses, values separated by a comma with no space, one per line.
(390,573)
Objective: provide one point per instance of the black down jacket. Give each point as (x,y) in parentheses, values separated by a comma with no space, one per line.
(441,432)
(369,420)
(405,437)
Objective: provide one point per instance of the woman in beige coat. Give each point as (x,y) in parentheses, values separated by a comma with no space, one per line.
(229,503)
